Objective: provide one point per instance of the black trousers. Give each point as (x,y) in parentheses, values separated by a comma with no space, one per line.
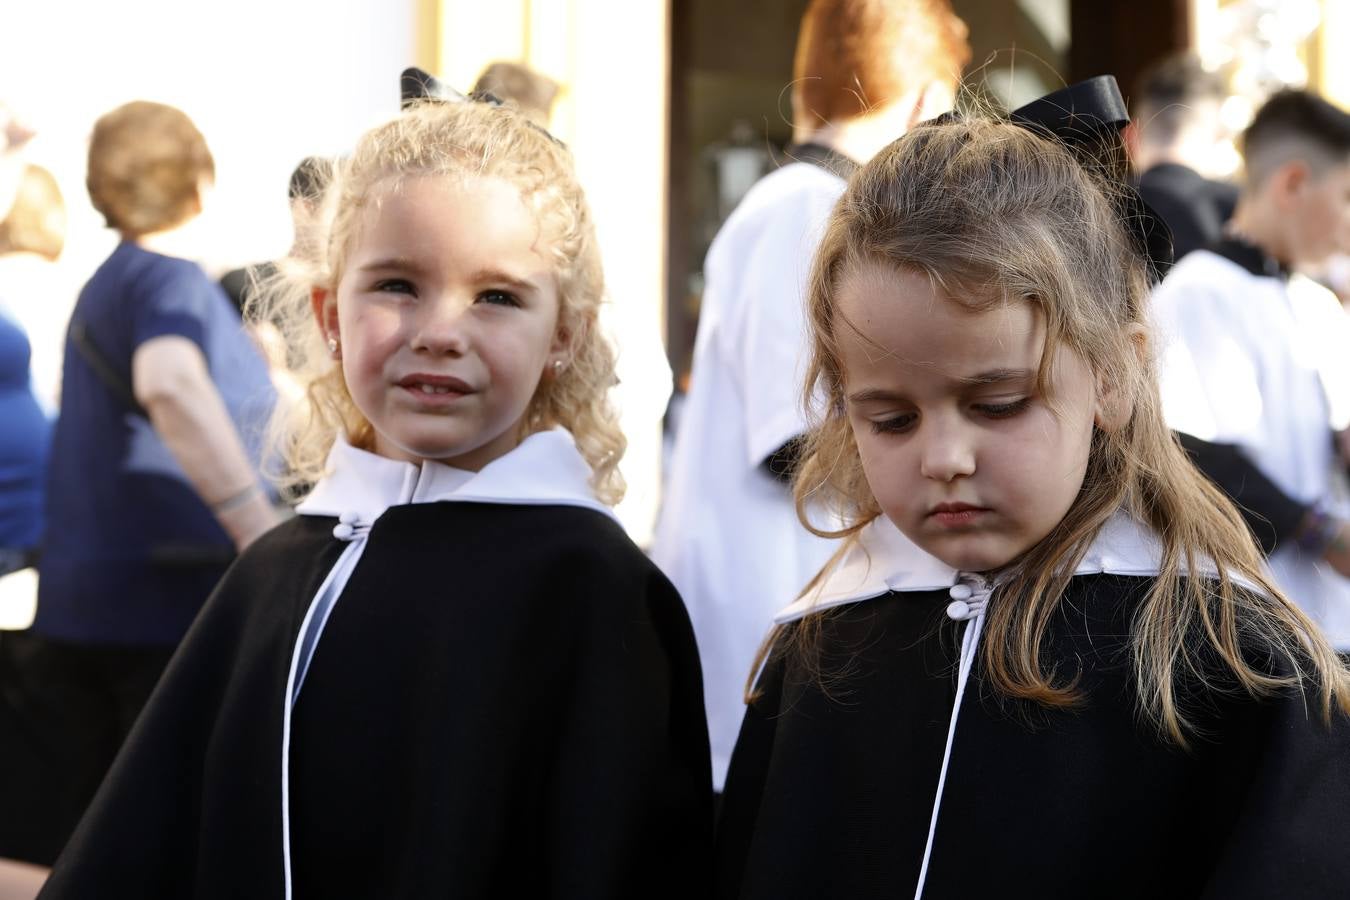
(65,709)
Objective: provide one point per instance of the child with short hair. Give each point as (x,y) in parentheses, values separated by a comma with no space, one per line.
(1046,661)
(452,674)
(1256,353)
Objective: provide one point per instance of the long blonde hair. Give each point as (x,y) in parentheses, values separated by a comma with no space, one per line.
(992,212)
(456,140)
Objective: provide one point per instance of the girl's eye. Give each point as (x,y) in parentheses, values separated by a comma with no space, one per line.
(1002,410)
(897,425)
(395,286)
(499,298)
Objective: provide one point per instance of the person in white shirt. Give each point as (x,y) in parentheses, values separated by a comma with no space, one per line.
(1257,356)
(728,536)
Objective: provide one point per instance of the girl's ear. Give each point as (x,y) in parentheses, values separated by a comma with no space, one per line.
(569,334)
(563,340)
(1114,405)
(324,304)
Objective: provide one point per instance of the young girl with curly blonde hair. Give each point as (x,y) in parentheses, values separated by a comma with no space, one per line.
(452,674)
(1047,660)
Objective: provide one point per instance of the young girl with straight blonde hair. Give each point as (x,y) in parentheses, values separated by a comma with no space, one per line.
(452,674)
(1047,660)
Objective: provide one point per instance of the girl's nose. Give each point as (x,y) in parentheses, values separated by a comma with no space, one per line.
(948,452)
(442,327)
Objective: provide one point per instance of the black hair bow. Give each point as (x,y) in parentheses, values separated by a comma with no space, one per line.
(416,86)
(1087,118)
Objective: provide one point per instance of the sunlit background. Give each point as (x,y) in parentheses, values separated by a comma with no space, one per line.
(672,108)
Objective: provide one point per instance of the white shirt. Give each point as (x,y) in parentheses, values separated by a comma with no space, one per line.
(728,535)
(1252,361)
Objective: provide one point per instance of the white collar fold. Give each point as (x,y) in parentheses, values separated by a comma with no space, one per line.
(546,469)
(882,560)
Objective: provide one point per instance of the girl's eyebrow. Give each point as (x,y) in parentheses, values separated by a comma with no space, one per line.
(390,263)
(871,395)
(993,376)
(404,264)
(497,276)
(997,376)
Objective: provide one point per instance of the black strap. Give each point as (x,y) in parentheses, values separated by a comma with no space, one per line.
(1250,257)
(822,157)
(103,369)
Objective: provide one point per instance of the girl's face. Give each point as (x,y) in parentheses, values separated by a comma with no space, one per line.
(961,451)
(447,316)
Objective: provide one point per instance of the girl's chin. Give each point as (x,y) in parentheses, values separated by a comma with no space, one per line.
(970,558)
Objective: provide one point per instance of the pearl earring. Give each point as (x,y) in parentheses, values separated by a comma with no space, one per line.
(557,367)
(332,345)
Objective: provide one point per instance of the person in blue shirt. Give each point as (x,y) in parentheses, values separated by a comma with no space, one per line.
(31,233)
(23,451)
(152,485)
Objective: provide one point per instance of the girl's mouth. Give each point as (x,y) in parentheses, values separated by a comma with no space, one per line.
(435,389)
(956,515)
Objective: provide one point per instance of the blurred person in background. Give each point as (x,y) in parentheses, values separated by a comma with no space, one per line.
(14,136)
(304,193)
(32,236)
(1255,356)
(17,880)
(865,71)
(1335,275)
(1174,139)
(532,92)
(152,483)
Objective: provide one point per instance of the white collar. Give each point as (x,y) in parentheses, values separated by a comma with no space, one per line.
(546,469)
(882,560)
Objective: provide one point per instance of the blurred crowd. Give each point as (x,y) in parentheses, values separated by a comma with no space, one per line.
(134,453)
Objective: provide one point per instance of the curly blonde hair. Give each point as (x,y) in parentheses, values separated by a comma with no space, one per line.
(455,140)
(992,212)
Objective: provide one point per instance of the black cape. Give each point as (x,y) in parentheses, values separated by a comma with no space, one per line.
(832,783)
(506,701)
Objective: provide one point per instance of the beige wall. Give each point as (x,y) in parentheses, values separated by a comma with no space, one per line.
(611,56)
(1332,76)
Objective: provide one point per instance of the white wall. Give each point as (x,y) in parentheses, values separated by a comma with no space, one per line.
(267,81)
